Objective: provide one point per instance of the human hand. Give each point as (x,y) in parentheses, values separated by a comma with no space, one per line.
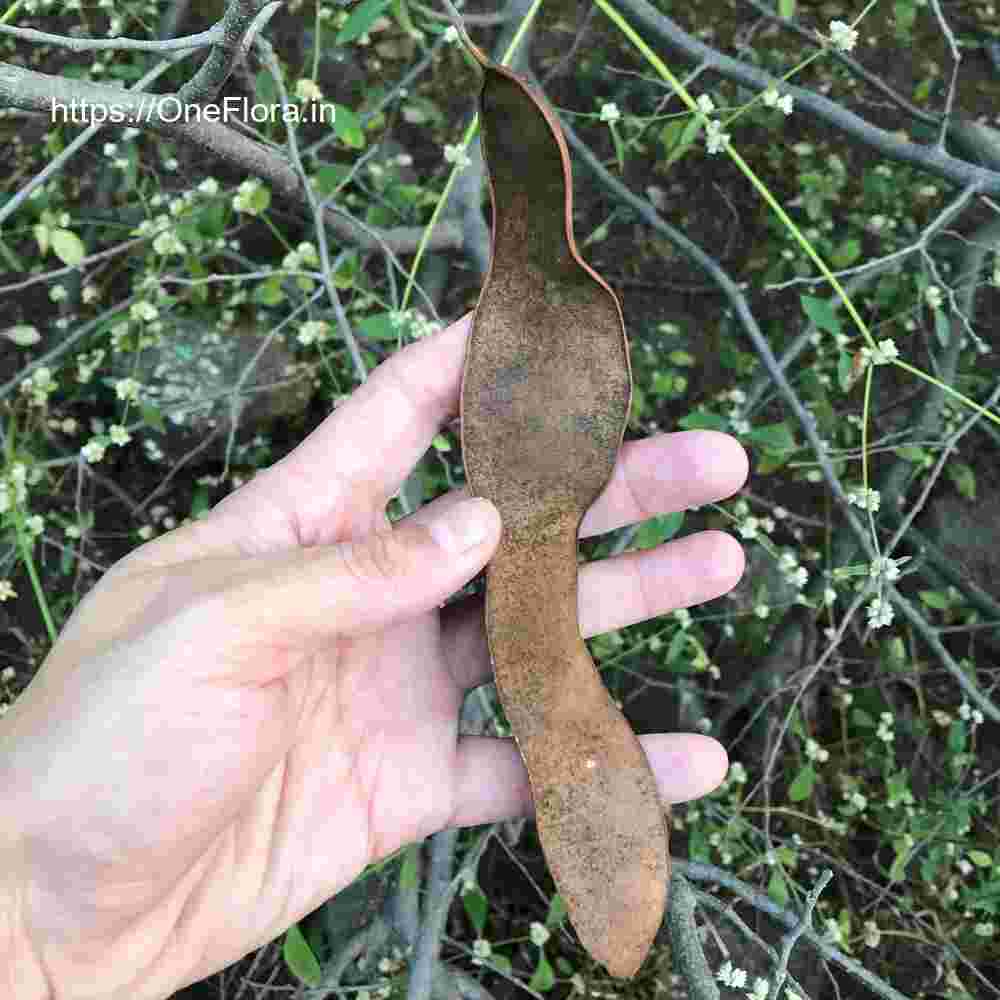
(245,712)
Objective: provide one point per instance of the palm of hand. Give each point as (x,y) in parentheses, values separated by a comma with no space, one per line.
(219,756)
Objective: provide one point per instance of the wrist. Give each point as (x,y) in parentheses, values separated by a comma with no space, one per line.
(22,976)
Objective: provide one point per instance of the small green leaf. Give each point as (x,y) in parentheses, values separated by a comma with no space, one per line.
(935,599)
(329,177)
(299,957)
(68,247)
(476,906)
(820,311)
(676,647)
(501,962)
(862,718)
(379,327)
(786,8)
(347,125)
(776,887)
(774,437)
(703,420)
(942,327)
(153,417)
(408,871)
(957,736)
(657,530)
(846,253)
(845,371)
(980,859)
(801,788)
(361,19)
(557,912)
(963,477)
(544,978)
(681,358)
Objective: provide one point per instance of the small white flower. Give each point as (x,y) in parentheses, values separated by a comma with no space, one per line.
(761,988)
(715,138)
(314,331)
(773,99)
(450,34)
(933,296)
(308,90)
(865,499)
(481,949)
(539,933)
(885,568)
(209,186)
(984,930)
(705,104)
(127,388)
(843,36)
(610,113)
(749,527)
(93,450)
(119,435)
(457,155)
(58,293)
(884,352)
(7,590)
(880,612)
(762,611)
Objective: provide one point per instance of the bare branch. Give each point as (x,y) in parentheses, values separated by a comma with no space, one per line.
(242,21)
(164,114)
(935,161)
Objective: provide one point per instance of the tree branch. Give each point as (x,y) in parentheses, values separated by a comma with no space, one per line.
(661,28)
(164,114)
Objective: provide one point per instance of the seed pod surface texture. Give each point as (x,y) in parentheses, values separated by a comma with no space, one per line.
(545,399)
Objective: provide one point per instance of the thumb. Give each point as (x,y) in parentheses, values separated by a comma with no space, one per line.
(357,587)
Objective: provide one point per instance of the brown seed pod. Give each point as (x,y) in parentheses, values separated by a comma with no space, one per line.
(545,399)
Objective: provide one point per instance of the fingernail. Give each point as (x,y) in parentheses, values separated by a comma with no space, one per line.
(465,526)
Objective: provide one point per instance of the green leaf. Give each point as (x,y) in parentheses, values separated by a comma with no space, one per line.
(329,177)
(379,327)
(911,453)
(657,530)
(776,887)
(801,788)
(846,253)
(544,978)
(703,420)
(957,736)
(68,247)
(786,8)
(681,358)
(845,371)
(361,19)
(980,859)
(265,89)
(270,292)
(476,906)
(935,599)
(678,136)
(347,125)
(820,311)
(676,647)
(501,962)
(299,957)
(408,872)
(942,327)
(862,718)
(557,912)
(963,477)
(153,417)
(774,437)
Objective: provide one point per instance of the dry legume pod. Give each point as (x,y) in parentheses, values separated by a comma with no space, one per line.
(545,399)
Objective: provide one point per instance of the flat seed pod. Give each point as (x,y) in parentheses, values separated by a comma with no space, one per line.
(545,400)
